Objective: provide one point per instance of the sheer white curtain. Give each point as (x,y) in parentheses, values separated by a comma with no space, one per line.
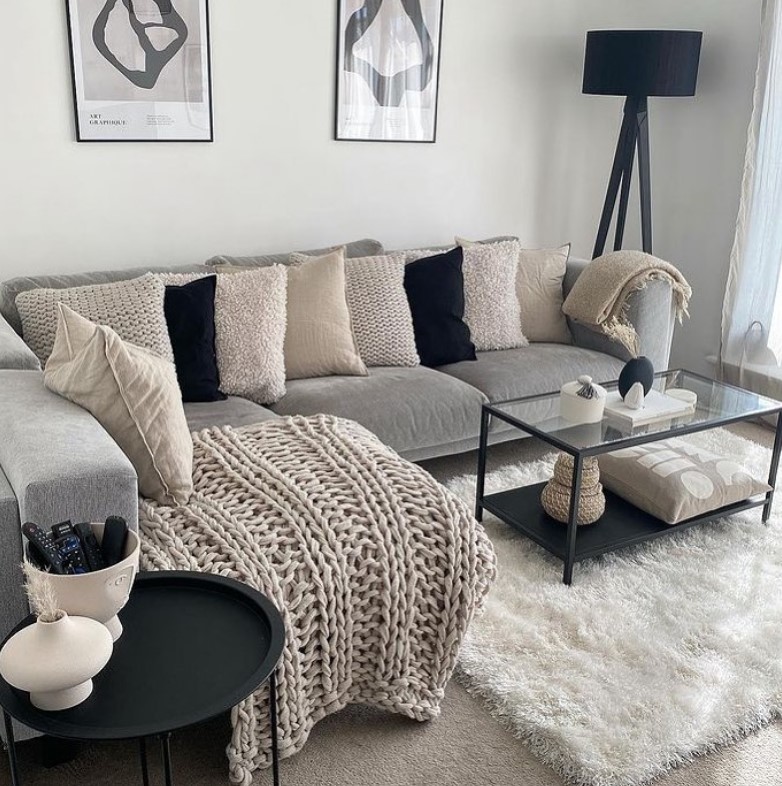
(752,311)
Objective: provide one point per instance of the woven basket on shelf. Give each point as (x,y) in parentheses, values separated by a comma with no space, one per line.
(556,495)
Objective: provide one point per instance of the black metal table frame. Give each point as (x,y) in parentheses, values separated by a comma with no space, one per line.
(164,744)
(488,411)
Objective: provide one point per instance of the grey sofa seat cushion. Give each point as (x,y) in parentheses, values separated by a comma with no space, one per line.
(234,411)
(353,250)
(529,371)
(407,408)
(13,287)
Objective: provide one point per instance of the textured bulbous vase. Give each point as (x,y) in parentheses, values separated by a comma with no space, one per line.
(636,370)
(56,661)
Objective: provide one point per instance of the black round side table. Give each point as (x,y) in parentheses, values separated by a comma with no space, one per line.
(194,646)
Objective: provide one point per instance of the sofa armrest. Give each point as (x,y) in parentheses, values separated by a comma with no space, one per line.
(14,353)
(650,311)
(59,461)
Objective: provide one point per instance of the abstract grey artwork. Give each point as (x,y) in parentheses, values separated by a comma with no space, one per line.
(387,70)
(141,69)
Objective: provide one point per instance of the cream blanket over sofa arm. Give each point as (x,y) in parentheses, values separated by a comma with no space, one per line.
(375,567)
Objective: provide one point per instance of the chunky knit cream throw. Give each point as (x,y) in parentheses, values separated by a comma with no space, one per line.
(599,297)
(375,567)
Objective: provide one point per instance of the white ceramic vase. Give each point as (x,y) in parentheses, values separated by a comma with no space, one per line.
(56,661)
(101,594)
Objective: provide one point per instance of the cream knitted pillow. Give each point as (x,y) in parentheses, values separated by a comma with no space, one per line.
(250,318)
(133,394)
(134,309)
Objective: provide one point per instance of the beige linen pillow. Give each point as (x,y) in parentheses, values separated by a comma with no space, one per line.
(134,309)
(491,308)
(539,283)
(319,341)
(133,394)
(674,480)
(249,329)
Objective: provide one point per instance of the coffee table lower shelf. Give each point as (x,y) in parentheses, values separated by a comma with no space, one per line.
(621,525)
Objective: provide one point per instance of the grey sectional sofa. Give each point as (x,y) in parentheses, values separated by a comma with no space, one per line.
(57,462)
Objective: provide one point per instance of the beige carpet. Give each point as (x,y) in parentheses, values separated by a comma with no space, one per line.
(357,747)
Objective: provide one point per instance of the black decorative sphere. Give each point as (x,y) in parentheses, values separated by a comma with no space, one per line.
(636,370)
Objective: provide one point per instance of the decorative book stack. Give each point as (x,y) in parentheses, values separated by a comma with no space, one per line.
(657,408)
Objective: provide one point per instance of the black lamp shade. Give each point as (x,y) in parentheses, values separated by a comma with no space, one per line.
(642,62)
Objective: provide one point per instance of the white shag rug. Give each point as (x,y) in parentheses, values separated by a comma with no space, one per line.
(654,655)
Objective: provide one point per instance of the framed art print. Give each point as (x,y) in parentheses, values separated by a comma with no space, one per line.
(141,70)
(388,68)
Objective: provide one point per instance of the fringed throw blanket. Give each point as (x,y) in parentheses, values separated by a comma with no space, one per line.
(375,567)
(599,296)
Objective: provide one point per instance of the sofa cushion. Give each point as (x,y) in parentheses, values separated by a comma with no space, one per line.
(529,371)
(15,286)
(407,408)
(357,248)
(233,411)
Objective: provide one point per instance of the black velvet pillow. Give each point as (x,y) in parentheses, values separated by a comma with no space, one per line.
(435,290)
(190,316)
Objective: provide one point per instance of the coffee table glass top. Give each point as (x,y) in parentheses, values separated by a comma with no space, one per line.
(718,404)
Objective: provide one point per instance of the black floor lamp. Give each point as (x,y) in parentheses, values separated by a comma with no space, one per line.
(637,64)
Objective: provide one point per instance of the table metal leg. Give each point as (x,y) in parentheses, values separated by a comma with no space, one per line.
(482,463)
(165,745)
(572,527)
(11,743)
(772,475)
(273,721)
(142,750)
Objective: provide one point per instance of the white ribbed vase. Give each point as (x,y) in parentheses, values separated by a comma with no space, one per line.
(56,661)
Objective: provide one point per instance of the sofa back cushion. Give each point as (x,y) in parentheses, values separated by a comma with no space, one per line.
(355,249)
(134,309)
(15,286)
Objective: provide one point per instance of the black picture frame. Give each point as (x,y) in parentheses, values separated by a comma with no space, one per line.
(340,71)
(78,109)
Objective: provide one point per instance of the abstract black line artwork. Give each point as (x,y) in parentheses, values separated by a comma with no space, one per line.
(141,70)
(388,69)
(154,60)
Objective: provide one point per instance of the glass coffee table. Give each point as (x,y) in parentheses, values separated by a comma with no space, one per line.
(622,524)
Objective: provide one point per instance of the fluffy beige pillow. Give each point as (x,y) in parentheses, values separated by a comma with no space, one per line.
(319,341)
(539,289)
(133,308)
(249,329)
(133,394)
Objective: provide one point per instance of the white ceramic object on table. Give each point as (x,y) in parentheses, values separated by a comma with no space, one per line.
(635,396)
(56,661)
(102,594)
(682,394)
(579,409)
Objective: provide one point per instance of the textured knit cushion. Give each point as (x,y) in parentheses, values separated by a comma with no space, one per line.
(435,291)
(250,331)
(539,289)
(133,394)
(491,308)
(378,305)
(190,315)
(675,481)
(319,341)
(134,309)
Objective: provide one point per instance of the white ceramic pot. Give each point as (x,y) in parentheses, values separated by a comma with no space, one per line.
(56,661)
(575,408)
(101,594)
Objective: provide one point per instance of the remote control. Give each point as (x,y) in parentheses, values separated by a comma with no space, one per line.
(114,535)
(90,547)
(62,529)
(71,555)
(42,546)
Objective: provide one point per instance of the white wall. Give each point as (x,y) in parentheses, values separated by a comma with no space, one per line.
(519,148)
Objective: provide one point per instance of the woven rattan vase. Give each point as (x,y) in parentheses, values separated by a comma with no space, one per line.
(556,495)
